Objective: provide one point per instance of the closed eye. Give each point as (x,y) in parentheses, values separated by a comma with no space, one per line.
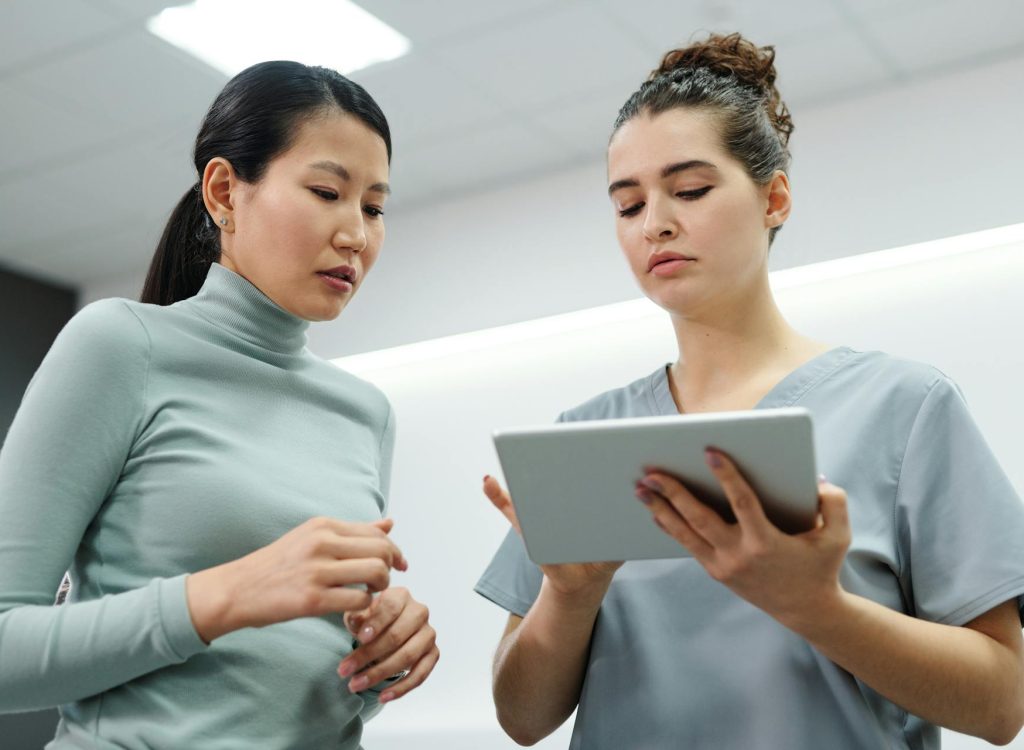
(692,195)
(327,195)
(631,210)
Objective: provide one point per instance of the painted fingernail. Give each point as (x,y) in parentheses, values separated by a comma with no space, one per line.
(486,477)
(366,634)
(347,668)
(358,683)
(652,485)
(643,496)
(714,460)
(385,697)
(822,479)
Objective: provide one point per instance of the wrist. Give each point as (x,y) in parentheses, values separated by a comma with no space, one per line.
(819,617)
(211,604)
(585,598)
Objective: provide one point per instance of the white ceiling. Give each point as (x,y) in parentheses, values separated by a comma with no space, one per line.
(99,116)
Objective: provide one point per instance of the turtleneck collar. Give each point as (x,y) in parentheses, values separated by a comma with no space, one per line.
(233,304)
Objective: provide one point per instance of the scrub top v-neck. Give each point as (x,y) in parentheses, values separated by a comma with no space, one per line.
(679,661)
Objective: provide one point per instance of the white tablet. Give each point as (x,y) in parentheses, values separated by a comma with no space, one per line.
(572,483)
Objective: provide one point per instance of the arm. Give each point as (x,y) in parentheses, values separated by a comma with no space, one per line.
(970,679)
(542,658)
(63,455)
(541,662)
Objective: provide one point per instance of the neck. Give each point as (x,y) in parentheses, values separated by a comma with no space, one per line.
(733,352)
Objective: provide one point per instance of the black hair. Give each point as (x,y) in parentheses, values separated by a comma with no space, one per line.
(253,120)
(735,80)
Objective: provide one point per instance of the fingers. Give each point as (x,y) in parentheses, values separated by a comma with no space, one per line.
(379,616)
(742,498)
(832,502)
(672,523)
(407,656)
(394,637)
(414,679)
(501,500)
(343,539)
(703,520)
(371,572)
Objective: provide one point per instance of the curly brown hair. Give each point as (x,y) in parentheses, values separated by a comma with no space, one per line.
(734,79)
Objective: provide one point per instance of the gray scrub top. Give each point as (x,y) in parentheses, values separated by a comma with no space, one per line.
(679,661)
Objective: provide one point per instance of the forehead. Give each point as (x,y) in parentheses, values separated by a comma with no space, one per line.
(341,137)
(646,144)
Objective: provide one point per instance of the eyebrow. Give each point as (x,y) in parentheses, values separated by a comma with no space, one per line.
(334,168)
(668,171)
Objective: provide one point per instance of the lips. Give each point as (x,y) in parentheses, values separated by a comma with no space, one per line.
(664,257)
(345,273)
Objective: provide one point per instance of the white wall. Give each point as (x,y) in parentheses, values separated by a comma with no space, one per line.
(927,160)
(962,313)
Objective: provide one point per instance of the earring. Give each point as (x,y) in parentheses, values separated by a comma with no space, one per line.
(223,221)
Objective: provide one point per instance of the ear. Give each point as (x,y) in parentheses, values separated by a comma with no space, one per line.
(220,185)
(780,201)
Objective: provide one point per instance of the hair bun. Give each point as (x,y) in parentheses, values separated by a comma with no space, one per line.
(732,55)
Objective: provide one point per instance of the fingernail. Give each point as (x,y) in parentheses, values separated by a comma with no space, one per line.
(822,479)
(714,460)
(486,477)
(366,634)
(347,668)
(643,496)
(652,485)
(358,683)
(385,697)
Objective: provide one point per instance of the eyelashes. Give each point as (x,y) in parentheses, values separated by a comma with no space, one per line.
(374,212)
(686,195)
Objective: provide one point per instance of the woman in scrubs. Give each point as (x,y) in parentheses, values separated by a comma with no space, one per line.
(898,614)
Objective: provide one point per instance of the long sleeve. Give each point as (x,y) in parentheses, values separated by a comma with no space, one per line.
(64,454)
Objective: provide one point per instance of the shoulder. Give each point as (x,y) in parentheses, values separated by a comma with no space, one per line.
(896,377)
(632,400)
(355,388)
(109,327)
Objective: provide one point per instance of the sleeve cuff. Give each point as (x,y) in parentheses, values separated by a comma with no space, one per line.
(181,635)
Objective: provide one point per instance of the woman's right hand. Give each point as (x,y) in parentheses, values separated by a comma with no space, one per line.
(320,567)
(568,579)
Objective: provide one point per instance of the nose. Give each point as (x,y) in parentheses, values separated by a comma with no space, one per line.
(350,234)
(659,222)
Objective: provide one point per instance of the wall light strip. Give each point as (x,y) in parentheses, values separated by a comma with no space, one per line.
(640,308)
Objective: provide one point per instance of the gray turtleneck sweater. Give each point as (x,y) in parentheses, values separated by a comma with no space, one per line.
(154,442)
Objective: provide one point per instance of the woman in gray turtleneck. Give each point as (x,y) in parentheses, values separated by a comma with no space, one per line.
(217,491)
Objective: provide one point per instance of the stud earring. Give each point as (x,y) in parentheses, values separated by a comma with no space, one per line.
(223,221)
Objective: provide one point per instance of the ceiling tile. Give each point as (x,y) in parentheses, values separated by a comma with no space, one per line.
(666,24)
(585,125)
(43,134)
(66,206)
(423,99)
(114,250)
(34,31)
(135,78)
(576,50)
(136,9)
(428,22)
(827,65)
(949,33)
(486,156)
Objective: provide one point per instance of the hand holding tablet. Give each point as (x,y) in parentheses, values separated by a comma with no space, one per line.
(573,484)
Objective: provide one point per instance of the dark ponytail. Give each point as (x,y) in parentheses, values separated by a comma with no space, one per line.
(252,121)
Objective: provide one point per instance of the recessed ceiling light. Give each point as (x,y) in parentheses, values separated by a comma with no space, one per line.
(231,35)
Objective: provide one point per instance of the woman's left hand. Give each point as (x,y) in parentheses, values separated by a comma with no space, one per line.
(791,577)
(394,636)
